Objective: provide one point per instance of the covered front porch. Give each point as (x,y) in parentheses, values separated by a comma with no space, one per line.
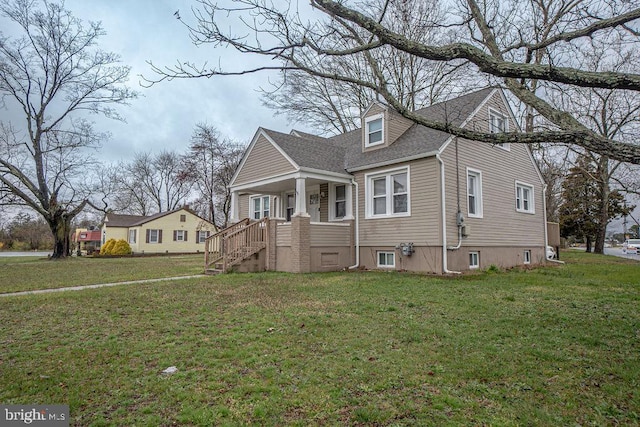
(299,222)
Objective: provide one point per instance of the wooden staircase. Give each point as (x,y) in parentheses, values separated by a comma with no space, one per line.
(234,244)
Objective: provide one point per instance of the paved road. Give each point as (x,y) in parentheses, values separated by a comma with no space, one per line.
(30,253)
(618,252)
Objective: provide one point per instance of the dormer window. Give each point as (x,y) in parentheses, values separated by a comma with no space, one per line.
(498,123)
(374,130)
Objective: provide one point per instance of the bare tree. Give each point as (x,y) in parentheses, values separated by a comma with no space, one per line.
(613,114)
(489,37)
(212,160)
(153,183)
(113,190)
(335,106)
(54,73)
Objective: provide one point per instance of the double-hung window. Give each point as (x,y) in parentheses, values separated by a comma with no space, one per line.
(339,209)
(202,236)
(498,123)
(179,235)
(374,130)
(524,198)
(259,207)
(388,194)
(154,236)
(132,236)
(474,193)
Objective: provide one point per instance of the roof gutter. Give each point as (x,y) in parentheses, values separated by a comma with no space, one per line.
(445,269)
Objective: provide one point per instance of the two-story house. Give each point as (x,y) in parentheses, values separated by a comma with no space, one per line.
(391,195)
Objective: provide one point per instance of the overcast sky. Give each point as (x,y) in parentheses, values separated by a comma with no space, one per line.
(164,116)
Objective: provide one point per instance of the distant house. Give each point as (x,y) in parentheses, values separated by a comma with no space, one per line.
(87,241)
(177,231)
(391,195)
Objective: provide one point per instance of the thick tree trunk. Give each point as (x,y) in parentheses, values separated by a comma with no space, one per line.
(588,243)
(60,226)
(601,232)
(603,209)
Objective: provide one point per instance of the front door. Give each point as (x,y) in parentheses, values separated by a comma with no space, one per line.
(313,205)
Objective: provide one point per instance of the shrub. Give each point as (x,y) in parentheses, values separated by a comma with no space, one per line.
(107,247)
(121,248)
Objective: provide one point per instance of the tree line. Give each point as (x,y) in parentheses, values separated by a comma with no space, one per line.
(150,183)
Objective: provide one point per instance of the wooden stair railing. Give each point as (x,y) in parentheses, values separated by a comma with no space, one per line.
(236,243)
(213,245)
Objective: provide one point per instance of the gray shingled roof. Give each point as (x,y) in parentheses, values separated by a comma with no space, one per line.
(343,152)
(311,151)
(117,220)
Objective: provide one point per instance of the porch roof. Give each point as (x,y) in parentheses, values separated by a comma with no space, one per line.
(287,182)
(312,152)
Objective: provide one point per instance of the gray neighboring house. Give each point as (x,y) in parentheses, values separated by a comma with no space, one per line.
(392,195)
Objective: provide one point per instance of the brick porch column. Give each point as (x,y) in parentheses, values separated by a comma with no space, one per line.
(301,244)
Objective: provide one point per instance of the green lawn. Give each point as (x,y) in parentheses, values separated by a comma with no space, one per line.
(549,346)
(28,273)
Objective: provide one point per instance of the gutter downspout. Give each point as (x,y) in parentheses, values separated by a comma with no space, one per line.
(357,224)
(445,270)
(544,211)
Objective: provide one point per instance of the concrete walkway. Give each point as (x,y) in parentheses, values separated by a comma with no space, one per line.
(100,285)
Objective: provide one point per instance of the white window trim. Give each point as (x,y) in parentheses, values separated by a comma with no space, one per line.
(202,233)
(527,256)
(151,241)
(493,113)
(477,265)
(393,256)
(532,205)
(179,235)
(261,197)
(368,193)
(367,120)
(332,201)
(480,210)
(133,233)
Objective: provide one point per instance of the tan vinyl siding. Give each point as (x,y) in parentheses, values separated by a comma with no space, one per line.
(263,161)
(374,110)
(283,236)
(501,224)
(396,125)
(324,203)
(423,226)
(330,235)
(480,121)
(243,206)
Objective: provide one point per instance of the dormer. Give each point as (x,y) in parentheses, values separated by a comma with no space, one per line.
(381,126)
